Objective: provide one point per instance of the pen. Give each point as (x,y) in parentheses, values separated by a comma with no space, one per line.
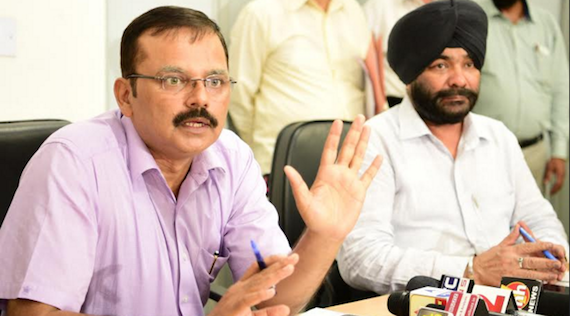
(529,238)
(216,255)
(258,257)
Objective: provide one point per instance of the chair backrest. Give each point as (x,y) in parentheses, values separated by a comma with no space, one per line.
(19,141)
(298,145)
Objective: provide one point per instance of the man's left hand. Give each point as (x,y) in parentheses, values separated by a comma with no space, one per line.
(556,167)
(332,205)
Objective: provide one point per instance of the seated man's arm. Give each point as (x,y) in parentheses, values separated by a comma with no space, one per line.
(50,227)
(536,215)
(504,260)
(329,209)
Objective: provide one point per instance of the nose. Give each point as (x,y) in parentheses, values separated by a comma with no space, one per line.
(197,95)
(457,78)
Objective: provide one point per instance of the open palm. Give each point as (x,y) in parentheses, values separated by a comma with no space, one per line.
(332,205)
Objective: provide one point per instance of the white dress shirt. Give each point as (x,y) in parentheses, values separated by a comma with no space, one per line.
(295,62)
(427,213)
(381,16)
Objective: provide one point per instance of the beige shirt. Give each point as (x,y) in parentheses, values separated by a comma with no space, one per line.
(295,62)
(381,16)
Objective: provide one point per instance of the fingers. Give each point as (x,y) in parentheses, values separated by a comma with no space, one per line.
(528,230)
(279,310)
(543,264)
(301,192)
(512,237)
(370,173)
(559,252)
(547,174)
(538,275)
(360,151)
(256,287)
(331,144)
(535,247)
(352,140)
(558,184)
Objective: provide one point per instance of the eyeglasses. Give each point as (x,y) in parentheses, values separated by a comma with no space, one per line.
(216,85)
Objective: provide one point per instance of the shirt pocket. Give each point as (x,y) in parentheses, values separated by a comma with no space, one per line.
(211,264)
(543,62)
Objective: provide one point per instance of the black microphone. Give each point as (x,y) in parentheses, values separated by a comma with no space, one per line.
(554,304)
(420,281)
(399,302)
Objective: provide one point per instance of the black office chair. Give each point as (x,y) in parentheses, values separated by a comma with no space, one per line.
(300,145)
(19,140)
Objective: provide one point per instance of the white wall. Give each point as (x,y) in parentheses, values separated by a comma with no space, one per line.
(120,13)
(59,67)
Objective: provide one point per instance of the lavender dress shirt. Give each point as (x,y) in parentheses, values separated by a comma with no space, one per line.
(94,228)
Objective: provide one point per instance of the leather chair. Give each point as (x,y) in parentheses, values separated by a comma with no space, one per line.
(19,140)
(300,145)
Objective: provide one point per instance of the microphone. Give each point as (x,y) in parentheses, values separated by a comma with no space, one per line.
(399,302)
(554,304)
(497,300)
(531,296)
(457,284)
(420,281)
(526,292)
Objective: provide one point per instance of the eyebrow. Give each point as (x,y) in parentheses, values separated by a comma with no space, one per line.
(180,70)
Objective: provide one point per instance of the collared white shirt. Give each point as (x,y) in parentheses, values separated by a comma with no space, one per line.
(427,213)
(381,16)
(295,62)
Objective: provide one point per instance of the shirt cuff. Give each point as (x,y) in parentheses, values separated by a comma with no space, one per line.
(559,147)
(450,266)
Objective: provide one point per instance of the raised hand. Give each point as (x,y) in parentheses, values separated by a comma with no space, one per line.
(332,205)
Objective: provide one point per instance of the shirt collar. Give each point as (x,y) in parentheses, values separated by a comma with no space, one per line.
(412,126)
(141,160)
(294,5)
(139,157)
(208,160)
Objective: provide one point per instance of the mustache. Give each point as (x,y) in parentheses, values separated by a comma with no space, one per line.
(470,94)
(195,113)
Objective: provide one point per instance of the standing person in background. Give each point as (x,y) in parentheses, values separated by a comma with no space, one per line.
(524,84)
(298,60)
(381,16)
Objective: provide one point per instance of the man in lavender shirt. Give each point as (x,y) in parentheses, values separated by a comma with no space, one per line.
(135,211)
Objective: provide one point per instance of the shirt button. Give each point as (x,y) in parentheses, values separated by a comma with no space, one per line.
(184,257)
(185,299)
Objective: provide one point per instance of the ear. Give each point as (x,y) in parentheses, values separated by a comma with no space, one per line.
(123,95)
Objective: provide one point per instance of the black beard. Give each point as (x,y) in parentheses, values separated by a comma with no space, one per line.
(430,108)
(504,4)
(195,112)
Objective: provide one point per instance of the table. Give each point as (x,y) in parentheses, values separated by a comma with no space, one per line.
(376,306)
